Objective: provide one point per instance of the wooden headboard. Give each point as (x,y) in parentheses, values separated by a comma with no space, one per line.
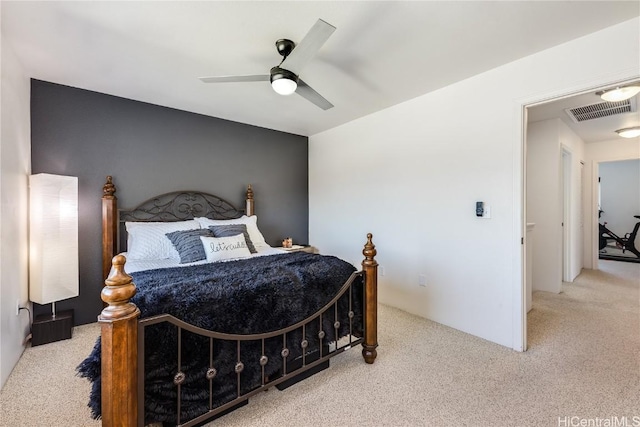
(175,206)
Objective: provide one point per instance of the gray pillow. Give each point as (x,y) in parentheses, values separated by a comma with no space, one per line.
(233,230)
(189,245)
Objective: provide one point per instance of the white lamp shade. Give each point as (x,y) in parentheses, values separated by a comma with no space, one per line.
(53,238)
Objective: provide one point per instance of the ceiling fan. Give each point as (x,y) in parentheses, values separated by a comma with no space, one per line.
(284,77)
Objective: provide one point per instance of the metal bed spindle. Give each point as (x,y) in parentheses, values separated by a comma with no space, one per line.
(336,324)
(178,379)
(304,344)
(284,354)
(321,335)
(211,373)
(351,314)
(263,362)
(239,369)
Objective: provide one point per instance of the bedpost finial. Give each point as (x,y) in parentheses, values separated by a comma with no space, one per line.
(109,189)
(118,262)
(249,192)
(118,291)
(369,250)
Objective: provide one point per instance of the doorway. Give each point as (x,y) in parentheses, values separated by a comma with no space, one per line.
(573,245)
(618,204)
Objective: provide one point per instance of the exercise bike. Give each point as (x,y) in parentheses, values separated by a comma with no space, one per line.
(626,243)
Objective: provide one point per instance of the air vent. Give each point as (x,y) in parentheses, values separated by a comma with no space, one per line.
(601,109)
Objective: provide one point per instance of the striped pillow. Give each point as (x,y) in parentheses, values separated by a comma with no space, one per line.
(189,245)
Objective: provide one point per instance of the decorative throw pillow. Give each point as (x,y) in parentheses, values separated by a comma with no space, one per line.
(233,230)
(222,248)
(189,245)
(148,240)
(250,221)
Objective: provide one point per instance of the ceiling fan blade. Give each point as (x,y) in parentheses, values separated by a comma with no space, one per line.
(232,79)
(308,47)
(307,92)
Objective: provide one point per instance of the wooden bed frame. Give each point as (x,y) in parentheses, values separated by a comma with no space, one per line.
(119,318)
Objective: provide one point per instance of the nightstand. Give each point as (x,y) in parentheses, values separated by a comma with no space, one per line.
(300,248)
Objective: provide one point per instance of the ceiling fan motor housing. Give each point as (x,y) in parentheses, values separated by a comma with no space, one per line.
(284,82)
(280,73)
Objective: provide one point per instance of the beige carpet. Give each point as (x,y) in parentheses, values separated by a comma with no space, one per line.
(584,361)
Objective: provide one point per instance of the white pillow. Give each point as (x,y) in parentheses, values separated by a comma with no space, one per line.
(147,240)
(222,248)
(250,221)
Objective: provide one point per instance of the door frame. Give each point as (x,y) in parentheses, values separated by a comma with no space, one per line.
(520,106)
(565,185)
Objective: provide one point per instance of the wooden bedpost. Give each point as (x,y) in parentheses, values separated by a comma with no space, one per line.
(119,331)
(370,268)
(250,209)
(109,225)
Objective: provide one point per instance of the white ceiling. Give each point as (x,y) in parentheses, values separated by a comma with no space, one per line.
(381,54)
(596,130)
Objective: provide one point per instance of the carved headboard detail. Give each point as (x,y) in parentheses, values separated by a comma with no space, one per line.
(181,206)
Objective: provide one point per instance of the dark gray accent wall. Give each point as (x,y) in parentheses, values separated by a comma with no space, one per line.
(149,150)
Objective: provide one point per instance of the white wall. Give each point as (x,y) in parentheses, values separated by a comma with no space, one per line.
(620,194)
(411,175)
(595,153)
(545,143)
(14,169)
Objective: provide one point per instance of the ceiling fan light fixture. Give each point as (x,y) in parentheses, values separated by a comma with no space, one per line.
(284,82)
(284,86)
(631,132)
(619,93)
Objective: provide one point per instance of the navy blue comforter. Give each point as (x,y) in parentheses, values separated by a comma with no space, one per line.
(248,296)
